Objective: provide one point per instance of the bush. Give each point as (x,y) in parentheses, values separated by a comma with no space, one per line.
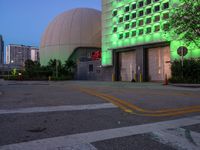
(189,73)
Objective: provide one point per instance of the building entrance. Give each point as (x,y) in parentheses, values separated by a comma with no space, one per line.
(159,63)
(127,65)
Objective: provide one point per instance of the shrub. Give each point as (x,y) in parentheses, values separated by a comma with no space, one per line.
(189,73)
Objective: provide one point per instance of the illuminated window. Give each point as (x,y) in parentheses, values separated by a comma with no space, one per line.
(133,25)
(141,13)
(127,26)
(133,6)
(148,2)
(148,30)
(156,18)
(156,8)
(120,19)
(114,13)
(165,16)
(126,18)
(127,9)
(148,11)
(133,15)
(166,5)
(141,32)
(165,26)
(157,28)
(127,35)
(133,33)
(148,20)
(141,22)
(140,4)
(115,29)
(121,36)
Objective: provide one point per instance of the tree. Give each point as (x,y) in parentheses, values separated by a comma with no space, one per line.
(69,66)
(185,22)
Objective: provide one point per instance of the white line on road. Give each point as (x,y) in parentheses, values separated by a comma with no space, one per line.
(179,138)
(58,108)
(83,138)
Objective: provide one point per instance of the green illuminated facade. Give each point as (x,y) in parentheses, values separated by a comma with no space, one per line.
(129,23)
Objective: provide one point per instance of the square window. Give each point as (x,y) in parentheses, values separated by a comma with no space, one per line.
(165,5)
(141,13)
(133,25)
(121,36)
(141,32)
(127,26)
(148,11)
(148,20)
(165,26)
(165,16)
(148,30)
(115,29)
(91,68)
(127,9)
(114,13)
(157,8)
(140,4)
(133,15)
(157,28)
(133,33)
(141,22)
(126,18)
(156,18)
(133,6)
(120,19)
(127,35)
(148,2)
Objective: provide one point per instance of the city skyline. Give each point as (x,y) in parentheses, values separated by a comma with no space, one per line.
(24,22)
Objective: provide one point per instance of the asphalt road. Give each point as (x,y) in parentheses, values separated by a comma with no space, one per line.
(74,115)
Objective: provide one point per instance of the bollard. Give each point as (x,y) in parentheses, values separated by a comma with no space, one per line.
(166,80)
(140,77)
(113,77)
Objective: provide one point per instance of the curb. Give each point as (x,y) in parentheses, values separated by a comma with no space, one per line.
(186,85)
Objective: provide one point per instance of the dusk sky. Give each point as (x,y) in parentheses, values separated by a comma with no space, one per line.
(24,21)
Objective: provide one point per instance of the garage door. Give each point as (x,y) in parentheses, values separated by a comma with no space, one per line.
(158,64)
(127,63)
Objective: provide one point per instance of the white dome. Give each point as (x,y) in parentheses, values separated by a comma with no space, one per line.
(72,29)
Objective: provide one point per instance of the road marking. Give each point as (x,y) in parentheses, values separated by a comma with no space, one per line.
(84,138)
(178,138)
(131,108)
(58,108)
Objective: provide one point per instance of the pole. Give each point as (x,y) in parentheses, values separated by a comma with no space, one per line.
(56,68)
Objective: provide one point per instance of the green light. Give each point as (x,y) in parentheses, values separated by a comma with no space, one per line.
(115,40)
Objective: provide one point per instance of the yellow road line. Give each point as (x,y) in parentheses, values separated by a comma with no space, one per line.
(130,108)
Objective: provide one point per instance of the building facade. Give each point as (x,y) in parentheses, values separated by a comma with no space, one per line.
(1,50)
(18,54)
(134,41)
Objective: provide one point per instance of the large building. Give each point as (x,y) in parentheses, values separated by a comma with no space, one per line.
(18,54)
(73,34)
(134,43)
(1,50)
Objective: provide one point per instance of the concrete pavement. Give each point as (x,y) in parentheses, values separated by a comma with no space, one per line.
(98,115)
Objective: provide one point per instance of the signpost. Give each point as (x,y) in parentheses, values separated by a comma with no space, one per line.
(182,51)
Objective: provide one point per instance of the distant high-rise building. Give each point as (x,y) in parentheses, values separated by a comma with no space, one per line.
(18,54)
(1,50)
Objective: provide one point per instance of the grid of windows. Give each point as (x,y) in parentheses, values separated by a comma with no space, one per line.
(138,14)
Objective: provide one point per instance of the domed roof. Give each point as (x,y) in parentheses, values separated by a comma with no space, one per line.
(76,28)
